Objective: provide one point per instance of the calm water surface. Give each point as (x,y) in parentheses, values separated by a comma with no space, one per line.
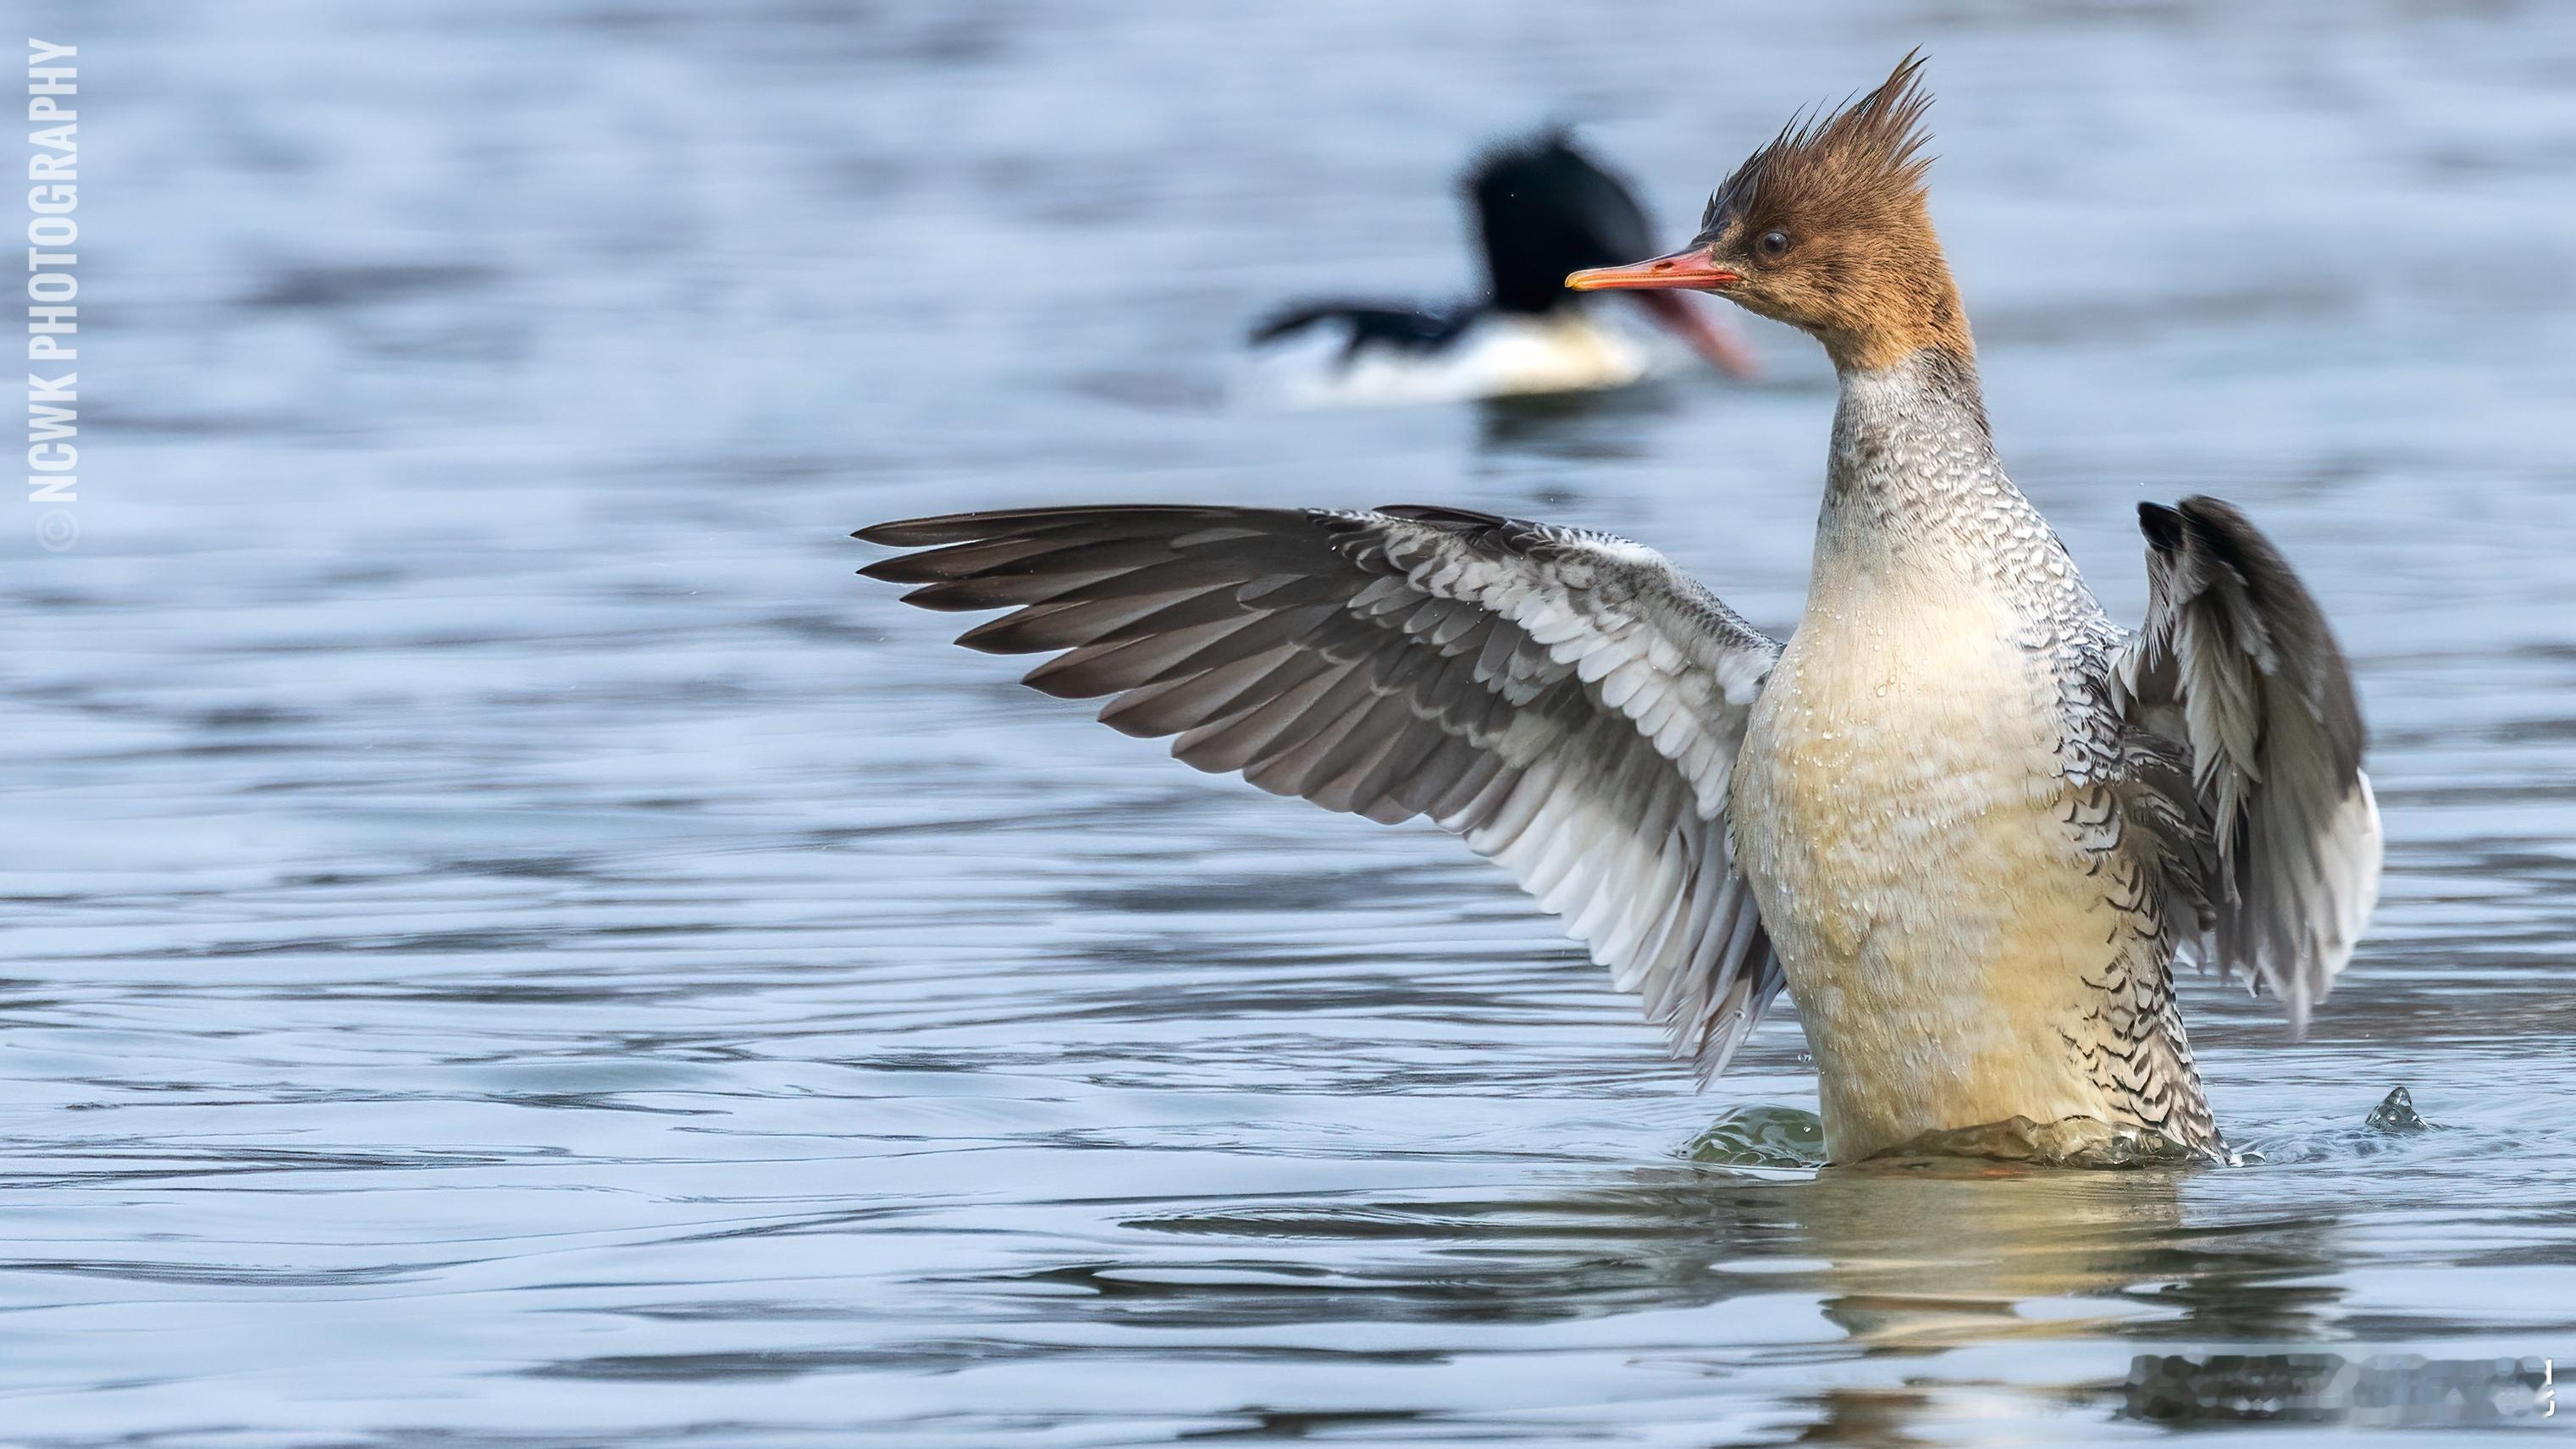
(508,943)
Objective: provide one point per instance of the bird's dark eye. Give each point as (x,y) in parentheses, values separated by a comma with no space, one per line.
(1773,245)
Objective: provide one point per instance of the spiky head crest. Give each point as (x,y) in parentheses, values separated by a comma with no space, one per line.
(1828,225)
(1865,159)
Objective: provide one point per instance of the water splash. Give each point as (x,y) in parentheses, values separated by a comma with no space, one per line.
(2068,1142)
(1787,1137)
(2396,1113)
(2394,1117)
(1776,1137)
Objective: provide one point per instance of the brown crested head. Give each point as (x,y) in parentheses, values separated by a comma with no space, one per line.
(1825,228)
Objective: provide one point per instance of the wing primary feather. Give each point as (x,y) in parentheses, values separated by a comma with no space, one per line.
(2270,853)
(1566,702)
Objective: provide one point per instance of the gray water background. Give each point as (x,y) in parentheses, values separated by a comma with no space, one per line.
(507,943)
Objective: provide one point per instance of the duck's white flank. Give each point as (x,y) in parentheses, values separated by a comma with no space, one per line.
(1499,354)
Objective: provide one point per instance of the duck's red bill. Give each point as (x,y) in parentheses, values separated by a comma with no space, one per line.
(1691,270)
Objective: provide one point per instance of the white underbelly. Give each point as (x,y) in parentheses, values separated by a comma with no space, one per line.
(1904,825)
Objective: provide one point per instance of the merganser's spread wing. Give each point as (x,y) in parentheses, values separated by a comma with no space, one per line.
(2237,666)
(1567,702)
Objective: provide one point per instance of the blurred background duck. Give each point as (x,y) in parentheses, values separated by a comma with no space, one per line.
(1542,209)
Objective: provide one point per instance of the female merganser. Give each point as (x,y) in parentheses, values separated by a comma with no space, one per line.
(1966,820)
(1543,209)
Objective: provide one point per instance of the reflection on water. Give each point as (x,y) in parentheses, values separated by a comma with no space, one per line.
(2385,1391)
(508,944)
(1967,1253)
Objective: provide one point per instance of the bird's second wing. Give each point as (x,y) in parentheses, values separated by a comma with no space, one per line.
(1568,703)
(2237,667)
